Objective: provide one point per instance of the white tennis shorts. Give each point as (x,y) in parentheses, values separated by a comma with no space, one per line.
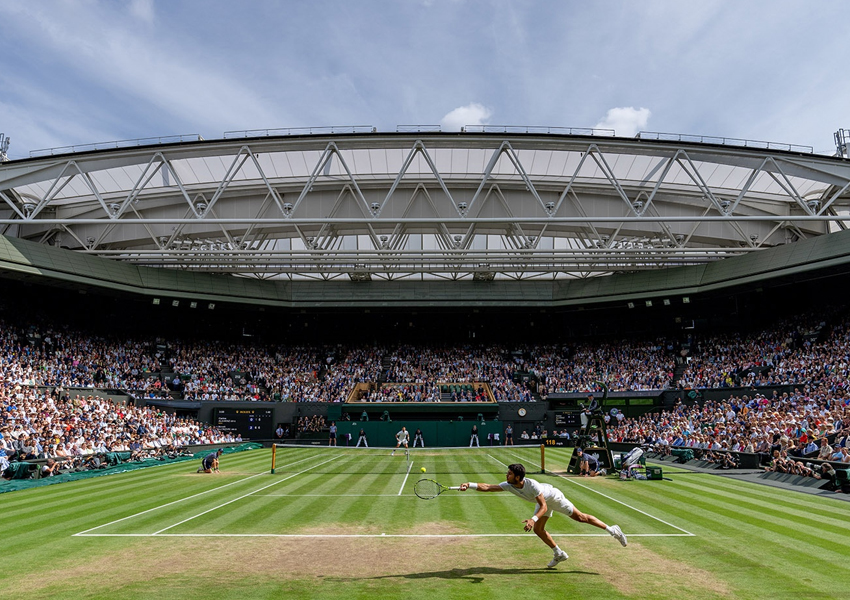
(559,503)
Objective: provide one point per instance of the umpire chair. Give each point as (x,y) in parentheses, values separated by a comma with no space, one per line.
(593,438)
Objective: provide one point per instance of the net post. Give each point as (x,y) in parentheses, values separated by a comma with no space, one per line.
(542,458)
(274,455)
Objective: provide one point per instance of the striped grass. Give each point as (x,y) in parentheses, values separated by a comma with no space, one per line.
(332,524)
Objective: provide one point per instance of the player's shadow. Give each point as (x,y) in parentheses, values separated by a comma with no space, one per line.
(478,574)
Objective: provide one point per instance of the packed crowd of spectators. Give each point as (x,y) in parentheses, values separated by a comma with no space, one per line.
(793,352)
(212,371)
(73,429)
(812,423)
(49,356)
(621,365)
(493,364)
(807,349)
(215,371)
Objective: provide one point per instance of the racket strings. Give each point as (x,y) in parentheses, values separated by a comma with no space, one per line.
(427,488)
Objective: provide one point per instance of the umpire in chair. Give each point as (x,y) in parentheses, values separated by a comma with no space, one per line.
(592,407)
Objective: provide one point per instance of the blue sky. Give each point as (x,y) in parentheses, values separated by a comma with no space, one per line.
(82,71)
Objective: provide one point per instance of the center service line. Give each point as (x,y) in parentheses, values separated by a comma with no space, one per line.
(410,466)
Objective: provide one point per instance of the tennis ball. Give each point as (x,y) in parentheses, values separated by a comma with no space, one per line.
(422,469)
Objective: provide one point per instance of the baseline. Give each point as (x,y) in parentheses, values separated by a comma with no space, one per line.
(376,535)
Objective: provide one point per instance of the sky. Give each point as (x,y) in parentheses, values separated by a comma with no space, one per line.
(84,71)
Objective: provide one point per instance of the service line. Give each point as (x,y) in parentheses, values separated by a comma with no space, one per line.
(220,487)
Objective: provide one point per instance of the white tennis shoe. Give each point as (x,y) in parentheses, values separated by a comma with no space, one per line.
(557,559)
(619,535)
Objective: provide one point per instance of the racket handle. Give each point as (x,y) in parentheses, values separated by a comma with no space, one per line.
(454,488)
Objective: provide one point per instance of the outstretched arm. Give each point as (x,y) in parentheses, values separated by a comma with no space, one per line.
(481,487)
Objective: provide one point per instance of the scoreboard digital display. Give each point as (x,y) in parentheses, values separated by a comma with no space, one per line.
(250,423)
(570,418)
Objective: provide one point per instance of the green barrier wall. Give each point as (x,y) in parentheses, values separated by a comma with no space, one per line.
(435,433)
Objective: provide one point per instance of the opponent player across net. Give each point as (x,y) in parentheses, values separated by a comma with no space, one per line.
(402,438)
(549,500)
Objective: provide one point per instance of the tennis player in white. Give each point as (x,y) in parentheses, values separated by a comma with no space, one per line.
(401,439)
(549,499)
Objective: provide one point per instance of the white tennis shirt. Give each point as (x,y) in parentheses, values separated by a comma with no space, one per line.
(531,489)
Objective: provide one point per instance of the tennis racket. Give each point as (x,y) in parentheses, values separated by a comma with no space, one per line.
(428,488)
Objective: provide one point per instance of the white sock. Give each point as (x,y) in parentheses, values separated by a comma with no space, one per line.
(557,550)
(609,530)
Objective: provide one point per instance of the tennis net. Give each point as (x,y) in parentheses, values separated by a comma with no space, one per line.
(288,458)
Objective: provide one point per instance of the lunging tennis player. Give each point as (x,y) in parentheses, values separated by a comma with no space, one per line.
(549,499)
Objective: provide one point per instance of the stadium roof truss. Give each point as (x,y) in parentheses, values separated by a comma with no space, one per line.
(423,205)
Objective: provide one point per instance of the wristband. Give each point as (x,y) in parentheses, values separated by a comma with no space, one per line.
(473,486)
(534,518)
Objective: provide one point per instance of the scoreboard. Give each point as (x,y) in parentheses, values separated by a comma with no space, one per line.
(250,423)
(569,418)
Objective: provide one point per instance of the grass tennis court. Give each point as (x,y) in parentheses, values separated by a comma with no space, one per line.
(331,524)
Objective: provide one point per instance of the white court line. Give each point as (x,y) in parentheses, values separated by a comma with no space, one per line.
(186,498)
(500,462)
(244,496)
(618,501)
(375,535)
(353,496)
(409,466)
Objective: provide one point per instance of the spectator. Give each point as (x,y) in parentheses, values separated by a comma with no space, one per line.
(49,469)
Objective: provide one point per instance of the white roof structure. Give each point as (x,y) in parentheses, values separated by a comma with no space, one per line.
(485,203)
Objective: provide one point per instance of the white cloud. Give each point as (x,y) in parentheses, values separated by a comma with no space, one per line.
(142,10)
(471,114)
(109,52)
(626,121)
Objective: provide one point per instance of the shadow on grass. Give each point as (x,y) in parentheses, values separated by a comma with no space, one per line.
(478,574)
